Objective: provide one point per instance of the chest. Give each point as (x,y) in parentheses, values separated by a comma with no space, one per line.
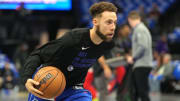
(79,56)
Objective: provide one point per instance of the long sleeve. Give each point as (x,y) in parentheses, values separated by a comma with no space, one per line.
(142,46)
(44,54)
(168,69)
(140,49)
(31,64)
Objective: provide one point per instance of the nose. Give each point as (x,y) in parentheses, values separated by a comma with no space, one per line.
(113,27)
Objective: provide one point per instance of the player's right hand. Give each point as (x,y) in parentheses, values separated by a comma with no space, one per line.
(130,59)
(30,84)
(108,73)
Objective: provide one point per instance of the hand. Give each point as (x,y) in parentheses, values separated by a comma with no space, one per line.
(107,73)
(130,59)
(30,83)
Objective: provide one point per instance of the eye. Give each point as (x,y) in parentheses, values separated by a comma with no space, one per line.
(109,22)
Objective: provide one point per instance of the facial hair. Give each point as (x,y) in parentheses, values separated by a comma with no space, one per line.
(102,36)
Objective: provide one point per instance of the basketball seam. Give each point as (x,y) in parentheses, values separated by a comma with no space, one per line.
(50,83)
(61,84)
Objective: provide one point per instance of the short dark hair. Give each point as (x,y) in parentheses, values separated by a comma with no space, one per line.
(98,8)
(134,15)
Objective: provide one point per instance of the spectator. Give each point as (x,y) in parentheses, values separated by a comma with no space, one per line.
(19,59)
(153,16)
(141,56)
(154,13)
(162,45)
(8,76)
(142,13)
(162,74)
(121,49)
(20,54)
(21,29)
(122,41)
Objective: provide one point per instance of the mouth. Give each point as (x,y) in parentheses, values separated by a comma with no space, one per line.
(110,35)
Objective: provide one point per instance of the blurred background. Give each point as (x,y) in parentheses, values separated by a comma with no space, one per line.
(28,24)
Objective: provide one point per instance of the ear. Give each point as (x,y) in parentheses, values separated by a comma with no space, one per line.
(129,19)
(95,21)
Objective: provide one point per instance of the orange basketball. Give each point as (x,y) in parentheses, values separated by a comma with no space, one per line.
(52,81)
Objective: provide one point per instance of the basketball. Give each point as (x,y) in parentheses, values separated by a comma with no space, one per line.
(51,81)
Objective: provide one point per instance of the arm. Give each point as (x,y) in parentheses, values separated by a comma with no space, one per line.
(139,53)
(30,66)
(105,67)
(168,69)
(141,41)
(37,57)
(44,54)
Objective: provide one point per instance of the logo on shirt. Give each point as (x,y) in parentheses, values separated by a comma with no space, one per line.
(70,68)
(84,48)
(82,60)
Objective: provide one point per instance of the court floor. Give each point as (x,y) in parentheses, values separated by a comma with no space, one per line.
(22,96)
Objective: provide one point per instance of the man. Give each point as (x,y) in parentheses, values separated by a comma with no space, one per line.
(74,53)
(141,56)
(122,41)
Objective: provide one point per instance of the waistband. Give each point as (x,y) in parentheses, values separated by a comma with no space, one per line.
(76,86)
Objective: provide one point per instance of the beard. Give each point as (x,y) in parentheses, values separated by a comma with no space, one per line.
(101,35)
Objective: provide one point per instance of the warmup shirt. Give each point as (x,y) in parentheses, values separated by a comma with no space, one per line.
(142,46)
(73,54)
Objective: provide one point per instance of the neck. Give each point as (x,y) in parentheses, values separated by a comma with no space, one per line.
(94,37)
(136,23)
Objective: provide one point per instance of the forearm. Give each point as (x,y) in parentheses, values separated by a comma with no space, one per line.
(102,63)
(139,53)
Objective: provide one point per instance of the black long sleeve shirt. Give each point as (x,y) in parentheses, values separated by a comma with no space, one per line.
(73,54)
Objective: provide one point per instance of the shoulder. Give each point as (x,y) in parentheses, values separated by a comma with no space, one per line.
(77,33)
(80,30)
(142,28)
(73,36)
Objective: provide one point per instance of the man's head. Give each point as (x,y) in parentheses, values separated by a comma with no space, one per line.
(134,18)
(164,38)
(166,58)
(104,19)
(124,31)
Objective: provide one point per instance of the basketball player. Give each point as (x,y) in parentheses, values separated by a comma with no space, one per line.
(74,53)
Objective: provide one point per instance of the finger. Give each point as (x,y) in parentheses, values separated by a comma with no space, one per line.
(36,94)
(34,82)
(36,91)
